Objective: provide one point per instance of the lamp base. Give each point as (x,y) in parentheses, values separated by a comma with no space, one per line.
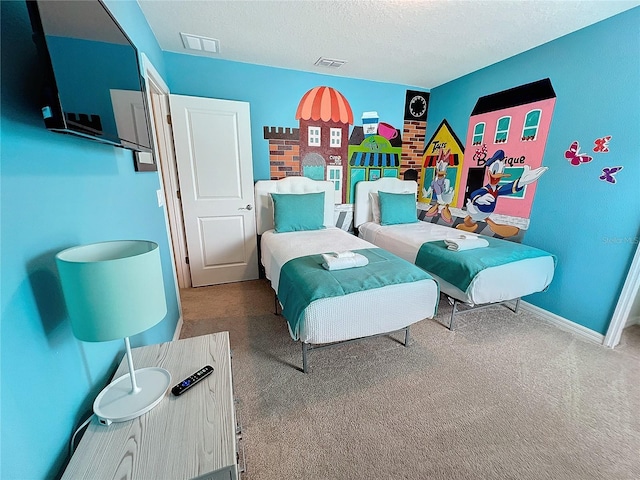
(117,403)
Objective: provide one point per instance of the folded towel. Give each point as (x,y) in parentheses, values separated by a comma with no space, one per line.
(465,242)
(343,254)
(334,263)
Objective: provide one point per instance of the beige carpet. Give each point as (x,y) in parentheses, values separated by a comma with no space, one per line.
(504,396)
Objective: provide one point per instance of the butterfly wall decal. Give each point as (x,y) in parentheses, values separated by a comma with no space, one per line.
(575,157)
(608,174)
(602,144)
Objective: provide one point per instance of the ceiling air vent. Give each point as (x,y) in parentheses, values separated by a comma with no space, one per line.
(196,42)
(329,62)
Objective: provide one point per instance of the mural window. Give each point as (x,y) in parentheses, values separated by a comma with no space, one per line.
(374,174)
(357,174)
(531,125)
(314,136)
(314,172)
(390,172)
(336,137)
(478,133)
(335,175)
(502,130)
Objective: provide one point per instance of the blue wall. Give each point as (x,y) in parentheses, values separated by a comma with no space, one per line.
(590,225)
(59,191)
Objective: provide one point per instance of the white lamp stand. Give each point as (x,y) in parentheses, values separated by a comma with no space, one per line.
(132,394)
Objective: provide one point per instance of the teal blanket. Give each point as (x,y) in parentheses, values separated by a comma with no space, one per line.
(303,280)
(460,268)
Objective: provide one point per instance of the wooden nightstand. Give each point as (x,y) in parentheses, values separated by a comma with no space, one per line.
(185,437)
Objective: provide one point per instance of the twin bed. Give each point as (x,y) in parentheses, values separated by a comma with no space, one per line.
(296,227)
(295,218)
(504,271)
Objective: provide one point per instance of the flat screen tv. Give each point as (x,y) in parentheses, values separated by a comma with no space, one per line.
(93,87)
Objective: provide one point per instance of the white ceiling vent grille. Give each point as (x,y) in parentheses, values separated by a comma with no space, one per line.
(196,42)
(329,62)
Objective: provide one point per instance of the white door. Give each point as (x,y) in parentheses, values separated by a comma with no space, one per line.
(215,169)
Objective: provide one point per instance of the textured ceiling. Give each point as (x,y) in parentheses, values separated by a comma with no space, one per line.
(423,43)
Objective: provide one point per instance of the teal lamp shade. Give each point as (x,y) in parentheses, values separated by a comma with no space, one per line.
(113,289)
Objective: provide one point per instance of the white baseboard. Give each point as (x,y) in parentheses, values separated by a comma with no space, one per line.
(176,334)
(563,323)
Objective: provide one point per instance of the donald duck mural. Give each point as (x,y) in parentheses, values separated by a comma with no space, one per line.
(508,131)
(483,201)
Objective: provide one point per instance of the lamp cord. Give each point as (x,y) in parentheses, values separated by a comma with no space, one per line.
(73,438)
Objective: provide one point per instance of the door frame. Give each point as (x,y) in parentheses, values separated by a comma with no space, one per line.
(628,295)
(167,171)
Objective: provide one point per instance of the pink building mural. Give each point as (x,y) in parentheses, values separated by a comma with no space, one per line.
(504,150)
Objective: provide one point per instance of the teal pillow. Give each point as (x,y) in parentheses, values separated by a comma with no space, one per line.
(397,208)
(293,212)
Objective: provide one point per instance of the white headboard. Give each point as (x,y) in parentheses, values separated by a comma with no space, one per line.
(362,208)
(264,204)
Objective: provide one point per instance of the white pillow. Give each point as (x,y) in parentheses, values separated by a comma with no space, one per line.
(375,206)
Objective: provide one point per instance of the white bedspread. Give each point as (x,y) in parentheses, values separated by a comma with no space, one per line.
(405,239)
(285,246)
(495,284)
(355,315)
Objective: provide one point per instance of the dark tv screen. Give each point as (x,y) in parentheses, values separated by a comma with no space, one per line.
(93,85)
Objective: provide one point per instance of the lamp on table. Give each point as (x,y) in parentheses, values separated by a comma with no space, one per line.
(115,290)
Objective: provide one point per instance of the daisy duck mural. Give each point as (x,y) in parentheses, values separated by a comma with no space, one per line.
(442,158)
(441,189)
(495,187)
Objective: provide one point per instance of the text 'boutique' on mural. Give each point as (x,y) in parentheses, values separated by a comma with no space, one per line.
(323,148)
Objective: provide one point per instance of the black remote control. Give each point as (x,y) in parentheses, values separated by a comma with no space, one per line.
(189,382)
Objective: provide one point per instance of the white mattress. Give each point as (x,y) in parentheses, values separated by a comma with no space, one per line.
(356,315)
(494,284)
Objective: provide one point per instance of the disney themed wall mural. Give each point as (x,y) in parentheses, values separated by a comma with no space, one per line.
(510,129)
(486,185)
(441,162)
(491,189)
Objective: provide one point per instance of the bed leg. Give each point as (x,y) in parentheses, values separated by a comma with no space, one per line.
(275,304)
(453,312)
(304,357)
(517,305)
(406,337)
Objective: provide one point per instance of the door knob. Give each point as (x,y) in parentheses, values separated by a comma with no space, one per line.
(248,207)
